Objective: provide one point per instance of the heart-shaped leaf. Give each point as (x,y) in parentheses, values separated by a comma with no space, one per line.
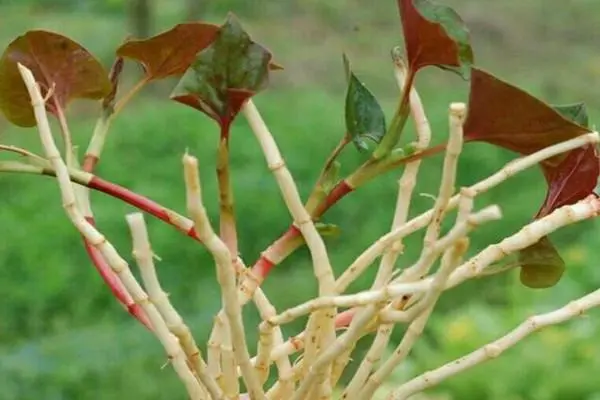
(225,74)
(364,116)
(576,112)
(170,53)
(507,116)
(541,265)
(434,34)
(572,180)
(58,64)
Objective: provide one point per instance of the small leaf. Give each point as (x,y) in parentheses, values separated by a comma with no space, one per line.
(225,74)
(541,265)
(434,34)
(576,112)
(364,116)
(572,180)
(170,53)
(506,116)
(58,63)
(327,230)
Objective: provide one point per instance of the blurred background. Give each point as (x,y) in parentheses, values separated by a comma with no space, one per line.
(63,336)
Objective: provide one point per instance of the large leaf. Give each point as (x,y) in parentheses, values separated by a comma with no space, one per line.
(507,116)
(225,74)
(541,265)
(434,34)
(172,52)
(59,64)
(363,114)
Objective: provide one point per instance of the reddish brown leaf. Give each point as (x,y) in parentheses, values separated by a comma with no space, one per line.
(57,62)
(572,180)
(507,116)
(170,53)
(434,35)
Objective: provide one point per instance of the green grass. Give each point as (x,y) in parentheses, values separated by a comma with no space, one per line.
(63,336)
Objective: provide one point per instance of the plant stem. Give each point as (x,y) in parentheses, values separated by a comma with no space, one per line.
(227,223)
(226,275)
(406,186)
(325,328)
(96,145)
(117,263)
(492,350)
(391,138)
(144,256)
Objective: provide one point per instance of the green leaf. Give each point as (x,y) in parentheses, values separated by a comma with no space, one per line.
(225,74)
(327,230)
(364,116)
(576,112)
(541,265)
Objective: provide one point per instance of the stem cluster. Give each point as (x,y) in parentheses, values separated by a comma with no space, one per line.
(336,320)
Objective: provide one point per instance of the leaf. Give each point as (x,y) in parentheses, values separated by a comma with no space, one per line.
(506,116)
(541,265)
(327,230)
(572,180)
(170,53)
(225,74)
(57,62)
(435,34)
(576,112)
(363,114)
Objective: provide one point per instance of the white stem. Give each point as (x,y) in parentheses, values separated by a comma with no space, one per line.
(406,186)
(225,275)
(324,332)
(415,329)
(453,149)
(494,349)
(96,239)
(142,252)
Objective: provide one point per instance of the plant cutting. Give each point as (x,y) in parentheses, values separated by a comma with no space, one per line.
(219,70)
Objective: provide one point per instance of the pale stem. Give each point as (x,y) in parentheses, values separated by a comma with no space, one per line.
(263,353)
(450,260)
(144,256)
(213,349)
(391,314)
(525,237)
(231,385)
(494,349)
(116,262)
(376,298)
(475,267)
(66,134)
(282,361)
(453,149)
(275,391)
(325,328)
(225,275)
(406,186)
(98,139)
(510,169)
(343,343)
